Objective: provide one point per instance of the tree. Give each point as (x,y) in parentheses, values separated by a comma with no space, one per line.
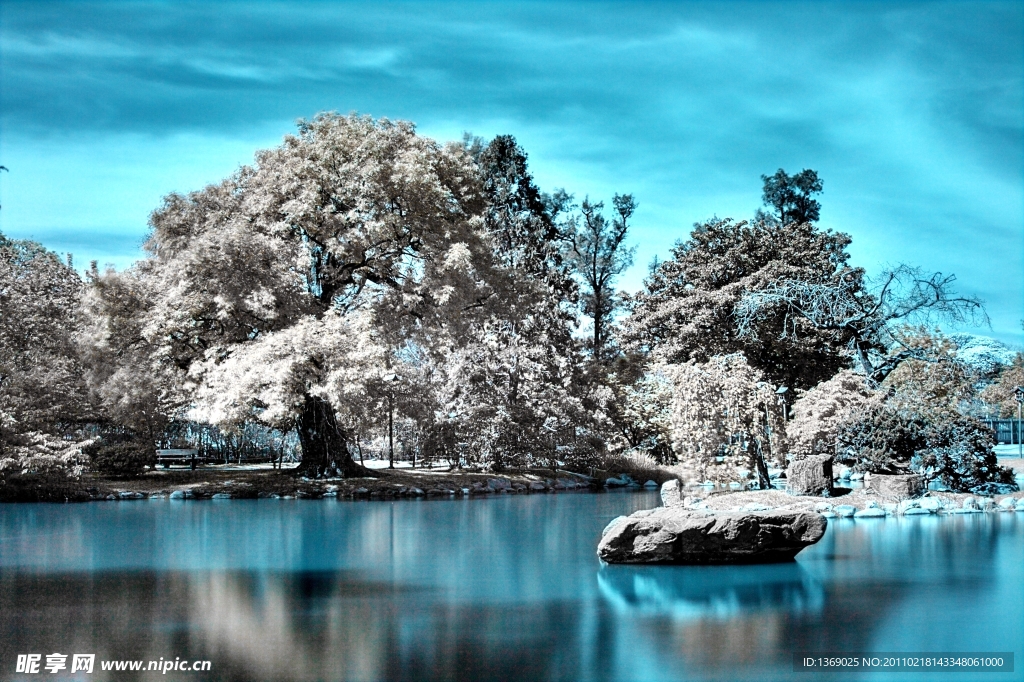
(598,255)
(819,413)
(41,387)
(43,400)
(509,385)
(724,409)
(1001,393)
(686,309)
(287,282)
(870,315)
(790,196)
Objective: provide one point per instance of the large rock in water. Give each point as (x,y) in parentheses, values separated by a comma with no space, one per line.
(810,476)
(677,535)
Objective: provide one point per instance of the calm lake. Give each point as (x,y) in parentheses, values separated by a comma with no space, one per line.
(488,589)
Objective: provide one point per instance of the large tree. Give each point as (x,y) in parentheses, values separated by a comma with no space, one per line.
(686,309)
(280,292)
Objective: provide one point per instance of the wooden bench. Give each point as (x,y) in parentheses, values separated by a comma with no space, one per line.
(166,458)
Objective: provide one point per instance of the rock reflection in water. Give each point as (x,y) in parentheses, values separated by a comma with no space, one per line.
(689,592)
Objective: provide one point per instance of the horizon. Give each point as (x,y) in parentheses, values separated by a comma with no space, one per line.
(912,114)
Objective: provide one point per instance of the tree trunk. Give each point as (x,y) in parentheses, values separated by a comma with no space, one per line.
(324,443)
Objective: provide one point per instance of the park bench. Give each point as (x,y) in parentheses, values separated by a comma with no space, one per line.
(175,456)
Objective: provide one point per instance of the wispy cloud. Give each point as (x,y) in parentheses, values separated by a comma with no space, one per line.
(911,112)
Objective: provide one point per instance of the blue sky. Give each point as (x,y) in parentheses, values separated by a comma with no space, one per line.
(913,114)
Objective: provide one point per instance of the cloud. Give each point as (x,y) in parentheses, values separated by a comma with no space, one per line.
(912,113)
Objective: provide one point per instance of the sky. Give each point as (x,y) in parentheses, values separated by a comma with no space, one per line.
(912,114)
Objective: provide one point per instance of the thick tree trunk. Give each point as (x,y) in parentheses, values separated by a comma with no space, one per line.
(324,443)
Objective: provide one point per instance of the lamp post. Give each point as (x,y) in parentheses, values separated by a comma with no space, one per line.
(781,394)
(1018,393)
(390,380)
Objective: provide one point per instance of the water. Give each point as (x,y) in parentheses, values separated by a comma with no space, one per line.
(502,588)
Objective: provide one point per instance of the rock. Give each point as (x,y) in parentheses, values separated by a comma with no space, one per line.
(845,472)
(916,511)
(870,513)
(810,476)
(754,506)
(616,482)
(568,483)
(611,524)
(845,510)
(822,507)
(907,505)
(499,483)
(178,495)
(828,514)
(537,485)
(858,476)
(331,493)
(683,536)
(985,504)
(671,493)
(969,503)
(900,487)
(932,504)
(1007,503)
(1020,504)
(650,484)
(221,496)
(418,492)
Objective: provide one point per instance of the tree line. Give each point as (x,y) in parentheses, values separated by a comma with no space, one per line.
(360,273)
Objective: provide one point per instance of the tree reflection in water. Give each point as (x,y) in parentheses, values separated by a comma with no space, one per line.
(511,590)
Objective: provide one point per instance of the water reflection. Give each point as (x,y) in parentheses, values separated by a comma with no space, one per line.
(720,592)
(490,590)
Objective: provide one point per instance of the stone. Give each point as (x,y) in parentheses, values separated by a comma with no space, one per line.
(178,495)
(754,506)
(822,507)
(672,493)
(616,482)
(985,504)
(901,487)
(1007,503)
(858,476)
(1020,504)
(870,513)
(845,510)
(969,503)
(537,485)
(650,484)
(499,483)
(611,524)
(916,511)
(810,476)
(221,496)
(676,535)
(932,504)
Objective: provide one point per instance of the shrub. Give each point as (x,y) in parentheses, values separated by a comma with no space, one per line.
(122,459)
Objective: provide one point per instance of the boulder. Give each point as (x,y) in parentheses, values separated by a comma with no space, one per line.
(900,487)
(678,535)
(932,504)
(671,493)
(650,484)
(810,476)
(870,513)
(845,510)
(1007,503)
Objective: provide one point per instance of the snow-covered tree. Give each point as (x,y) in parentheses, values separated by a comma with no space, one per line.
(278,293)
(42,395)
(724,409)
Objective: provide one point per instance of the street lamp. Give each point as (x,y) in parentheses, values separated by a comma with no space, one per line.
(781,394)
(390,380)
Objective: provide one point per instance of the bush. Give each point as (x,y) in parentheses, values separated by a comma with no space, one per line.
(124,459)
(946,446)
